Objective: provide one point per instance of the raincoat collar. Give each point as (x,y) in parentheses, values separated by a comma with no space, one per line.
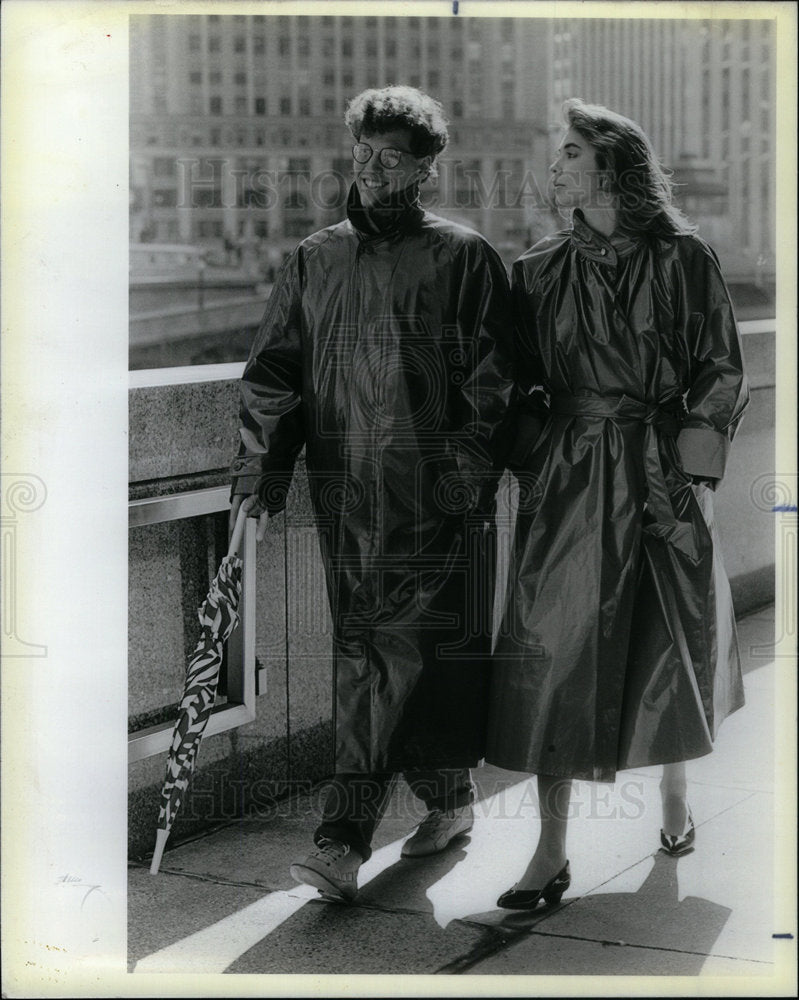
(403,213)
(605,249)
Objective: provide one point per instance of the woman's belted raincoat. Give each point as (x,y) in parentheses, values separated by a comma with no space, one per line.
(618,646)
(388,356)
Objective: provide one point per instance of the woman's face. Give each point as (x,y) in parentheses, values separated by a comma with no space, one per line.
(377,183)
(574,175)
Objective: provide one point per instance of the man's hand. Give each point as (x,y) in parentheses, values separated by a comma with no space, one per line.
(254,508)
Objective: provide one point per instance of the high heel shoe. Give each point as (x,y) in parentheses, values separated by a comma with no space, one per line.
(528,899)
(680,844)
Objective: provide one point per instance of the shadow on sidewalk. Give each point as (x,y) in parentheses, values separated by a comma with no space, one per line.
(630,926)
(386,930)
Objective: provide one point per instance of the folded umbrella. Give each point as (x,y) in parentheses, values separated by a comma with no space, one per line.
(218,617)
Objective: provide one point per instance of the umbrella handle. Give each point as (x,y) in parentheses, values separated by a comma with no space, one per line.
(238,532)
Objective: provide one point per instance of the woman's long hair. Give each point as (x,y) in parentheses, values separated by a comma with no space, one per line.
(641,186)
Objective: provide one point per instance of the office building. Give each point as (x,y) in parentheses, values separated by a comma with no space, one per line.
(237,120)
(705,93)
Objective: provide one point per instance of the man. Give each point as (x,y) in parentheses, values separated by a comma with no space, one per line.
(385,351)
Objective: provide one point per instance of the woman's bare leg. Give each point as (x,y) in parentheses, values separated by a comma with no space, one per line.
(673,790)
(554,795)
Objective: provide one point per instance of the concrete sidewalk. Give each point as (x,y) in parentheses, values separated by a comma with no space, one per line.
(226,903)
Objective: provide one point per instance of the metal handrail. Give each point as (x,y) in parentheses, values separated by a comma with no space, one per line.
(240,708)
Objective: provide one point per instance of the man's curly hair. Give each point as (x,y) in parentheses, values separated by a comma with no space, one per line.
(377,111)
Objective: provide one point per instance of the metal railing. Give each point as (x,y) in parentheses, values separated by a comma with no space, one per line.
(241,688)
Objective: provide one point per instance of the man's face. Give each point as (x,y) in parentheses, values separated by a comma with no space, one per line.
(378,182)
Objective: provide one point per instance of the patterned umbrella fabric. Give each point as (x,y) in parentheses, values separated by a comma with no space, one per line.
(218,617)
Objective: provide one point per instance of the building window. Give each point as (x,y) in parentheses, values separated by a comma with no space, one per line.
(457,109)
(215,76)
(258,45)
(239,43)
(303,48)
(216,137)
(298,227)
(371,46)
(305,107)
(328,47)
(285,105)
(260,105)
(283,45)
(329,106)
(346,79)
(195,77)
(328,78)
(240,79)
(346,48)
(214,43)
(206,197)
(215,106)
(433,78)
(165,198)
(194,43)
(456,52)
(209,228)
(163,166)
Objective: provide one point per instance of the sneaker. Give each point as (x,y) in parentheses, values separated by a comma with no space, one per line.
(437,829)
(332,868)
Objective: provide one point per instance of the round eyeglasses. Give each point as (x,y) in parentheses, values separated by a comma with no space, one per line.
(362,152)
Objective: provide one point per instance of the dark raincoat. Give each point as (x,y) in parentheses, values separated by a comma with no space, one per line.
(388,355)
(618,646)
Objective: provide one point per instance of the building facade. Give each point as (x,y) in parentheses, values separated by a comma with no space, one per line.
(705,93)
(237,120)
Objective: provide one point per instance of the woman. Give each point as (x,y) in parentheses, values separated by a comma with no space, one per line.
(618,646)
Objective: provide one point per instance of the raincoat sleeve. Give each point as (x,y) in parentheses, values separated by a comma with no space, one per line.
(718,390)
(271,428)
(529,408)
(485,324)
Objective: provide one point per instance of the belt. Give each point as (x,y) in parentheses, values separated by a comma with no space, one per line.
(666,419)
